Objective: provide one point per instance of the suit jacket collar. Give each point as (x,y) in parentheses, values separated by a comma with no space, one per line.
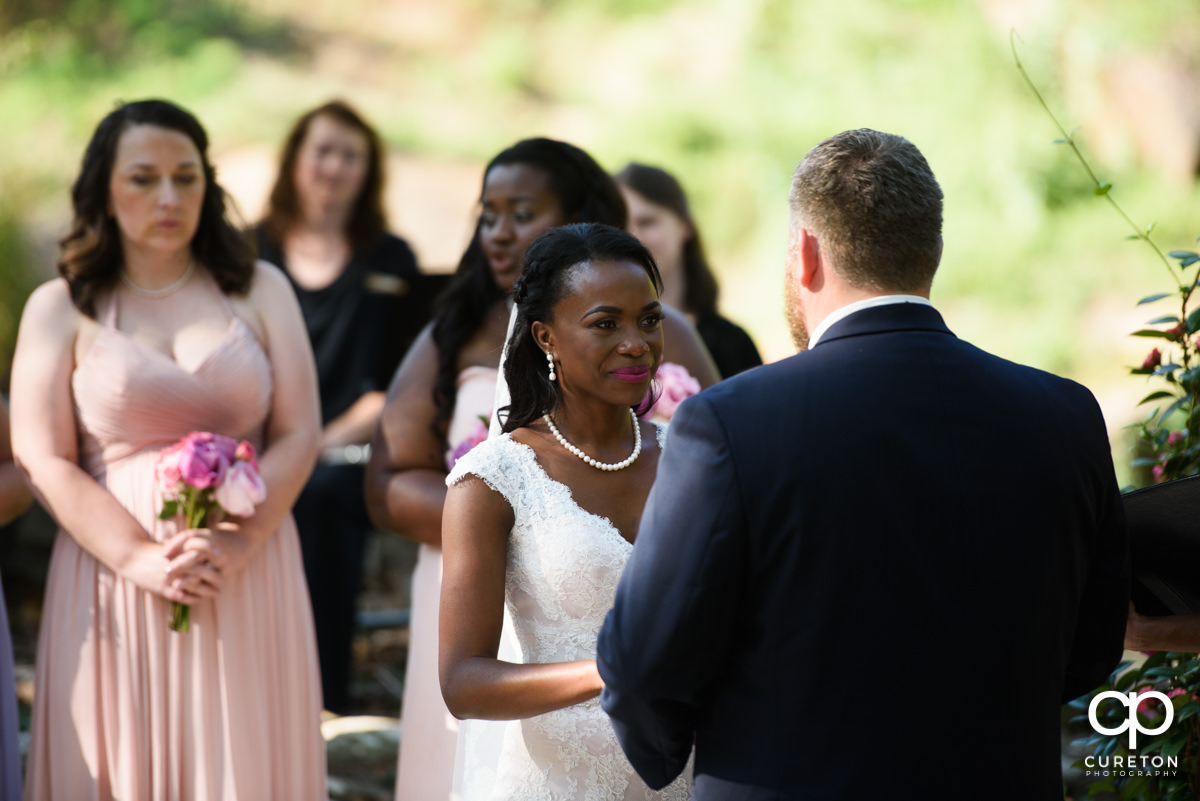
(885,319)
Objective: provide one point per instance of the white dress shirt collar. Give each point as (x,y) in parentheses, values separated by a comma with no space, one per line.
(859,305)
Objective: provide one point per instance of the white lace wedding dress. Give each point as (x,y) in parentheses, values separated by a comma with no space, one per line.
(563,567)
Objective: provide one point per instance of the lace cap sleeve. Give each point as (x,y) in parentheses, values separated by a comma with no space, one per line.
(493,460)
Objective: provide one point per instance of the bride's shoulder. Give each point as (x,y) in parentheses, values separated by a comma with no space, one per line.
(505,466)
(491,457)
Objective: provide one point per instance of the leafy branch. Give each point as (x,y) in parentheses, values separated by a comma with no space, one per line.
(1101,188)
(1168,454)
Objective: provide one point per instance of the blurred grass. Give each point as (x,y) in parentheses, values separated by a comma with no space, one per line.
(728,94)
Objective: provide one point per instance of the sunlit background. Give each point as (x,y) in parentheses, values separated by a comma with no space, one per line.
(727,94)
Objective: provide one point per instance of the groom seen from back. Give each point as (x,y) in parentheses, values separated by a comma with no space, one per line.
(878,568)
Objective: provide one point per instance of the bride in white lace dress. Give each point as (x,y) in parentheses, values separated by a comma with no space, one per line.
(542,519)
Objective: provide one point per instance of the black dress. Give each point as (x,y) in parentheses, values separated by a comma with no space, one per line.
(360,325)
(731,347)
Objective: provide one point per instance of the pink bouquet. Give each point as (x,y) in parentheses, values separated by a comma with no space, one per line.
(205,477)
(479,432)
(676,384)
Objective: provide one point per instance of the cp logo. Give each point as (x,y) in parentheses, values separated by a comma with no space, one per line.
(1132,724)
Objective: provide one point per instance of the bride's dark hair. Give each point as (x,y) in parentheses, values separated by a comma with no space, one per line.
(543,283)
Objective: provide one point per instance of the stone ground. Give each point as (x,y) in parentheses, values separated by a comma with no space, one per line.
(362,747)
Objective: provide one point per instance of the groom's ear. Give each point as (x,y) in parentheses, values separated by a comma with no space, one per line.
(812,263)
(543,336)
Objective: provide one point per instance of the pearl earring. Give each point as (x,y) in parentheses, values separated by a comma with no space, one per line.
(550,361)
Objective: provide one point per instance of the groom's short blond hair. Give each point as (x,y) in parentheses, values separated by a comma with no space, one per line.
(874,205)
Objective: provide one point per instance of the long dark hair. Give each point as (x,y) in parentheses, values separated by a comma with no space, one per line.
(367,221)
(91,254)
(543,283)
(587,194)
(660,187)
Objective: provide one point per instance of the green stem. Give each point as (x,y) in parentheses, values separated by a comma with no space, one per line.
(1138,231)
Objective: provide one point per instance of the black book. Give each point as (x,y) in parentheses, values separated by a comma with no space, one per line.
(1164,544)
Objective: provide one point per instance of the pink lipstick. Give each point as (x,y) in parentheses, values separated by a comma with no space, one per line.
(631,374)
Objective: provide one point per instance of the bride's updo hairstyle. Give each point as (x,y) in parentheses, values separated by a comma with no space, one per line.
(545,280)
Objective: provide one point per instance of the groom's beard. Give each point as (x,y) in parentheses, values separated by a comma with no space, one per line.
(797,324)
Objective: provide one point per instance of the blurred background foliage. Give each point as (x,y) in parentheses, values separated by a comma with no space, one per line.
(728,94)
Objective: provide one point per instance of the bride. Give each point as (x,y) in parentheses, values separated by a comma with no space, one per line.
(542,519)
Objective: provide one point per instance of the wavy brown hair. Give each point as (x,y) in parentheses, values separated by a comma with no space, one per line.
(368,221)
(91,254)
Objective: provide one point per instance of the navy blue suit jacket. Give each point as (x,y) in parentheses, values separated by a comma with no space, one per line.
(873,570)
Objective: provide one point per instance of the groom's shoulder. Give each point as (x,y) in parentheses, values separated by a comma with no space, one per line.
(760,382)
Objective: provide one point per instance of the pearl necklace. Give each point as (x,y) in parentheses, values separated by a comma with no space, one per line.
(637,445)
(161,292)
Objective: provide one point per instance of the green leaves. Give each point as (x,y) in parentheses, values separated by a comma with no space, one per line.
(1102,189)
(1186,258)
(1152,298)
(1158,394)
(169,510)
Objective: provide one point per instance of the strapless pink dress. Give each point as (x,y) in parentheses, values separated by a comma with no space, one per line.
(124,707)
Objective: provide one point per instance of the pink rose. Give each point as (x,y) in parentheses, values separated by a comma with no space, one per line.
(241,489)
(1174,436)
(166,470)
(204,458)
(245,453)
(1157,470)
(1153,359)
(676,384)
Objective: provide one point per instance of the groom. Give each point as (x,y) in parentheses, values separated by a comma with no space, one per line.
(878,568)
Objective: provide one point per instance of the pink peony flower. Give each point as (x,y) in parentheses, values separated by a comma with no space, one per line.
(1174,437)
(1157,470)
(676,384)
(204,458)
(1153,359)
(478,434)
(241,489)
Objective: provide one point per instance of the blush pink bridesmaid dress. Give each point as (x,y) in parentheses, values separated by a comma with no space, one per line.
(124,707)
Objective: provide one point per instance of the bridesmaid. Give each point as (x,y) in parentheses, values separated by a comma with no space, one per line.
(161,324)
(15,498)
(447,382)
